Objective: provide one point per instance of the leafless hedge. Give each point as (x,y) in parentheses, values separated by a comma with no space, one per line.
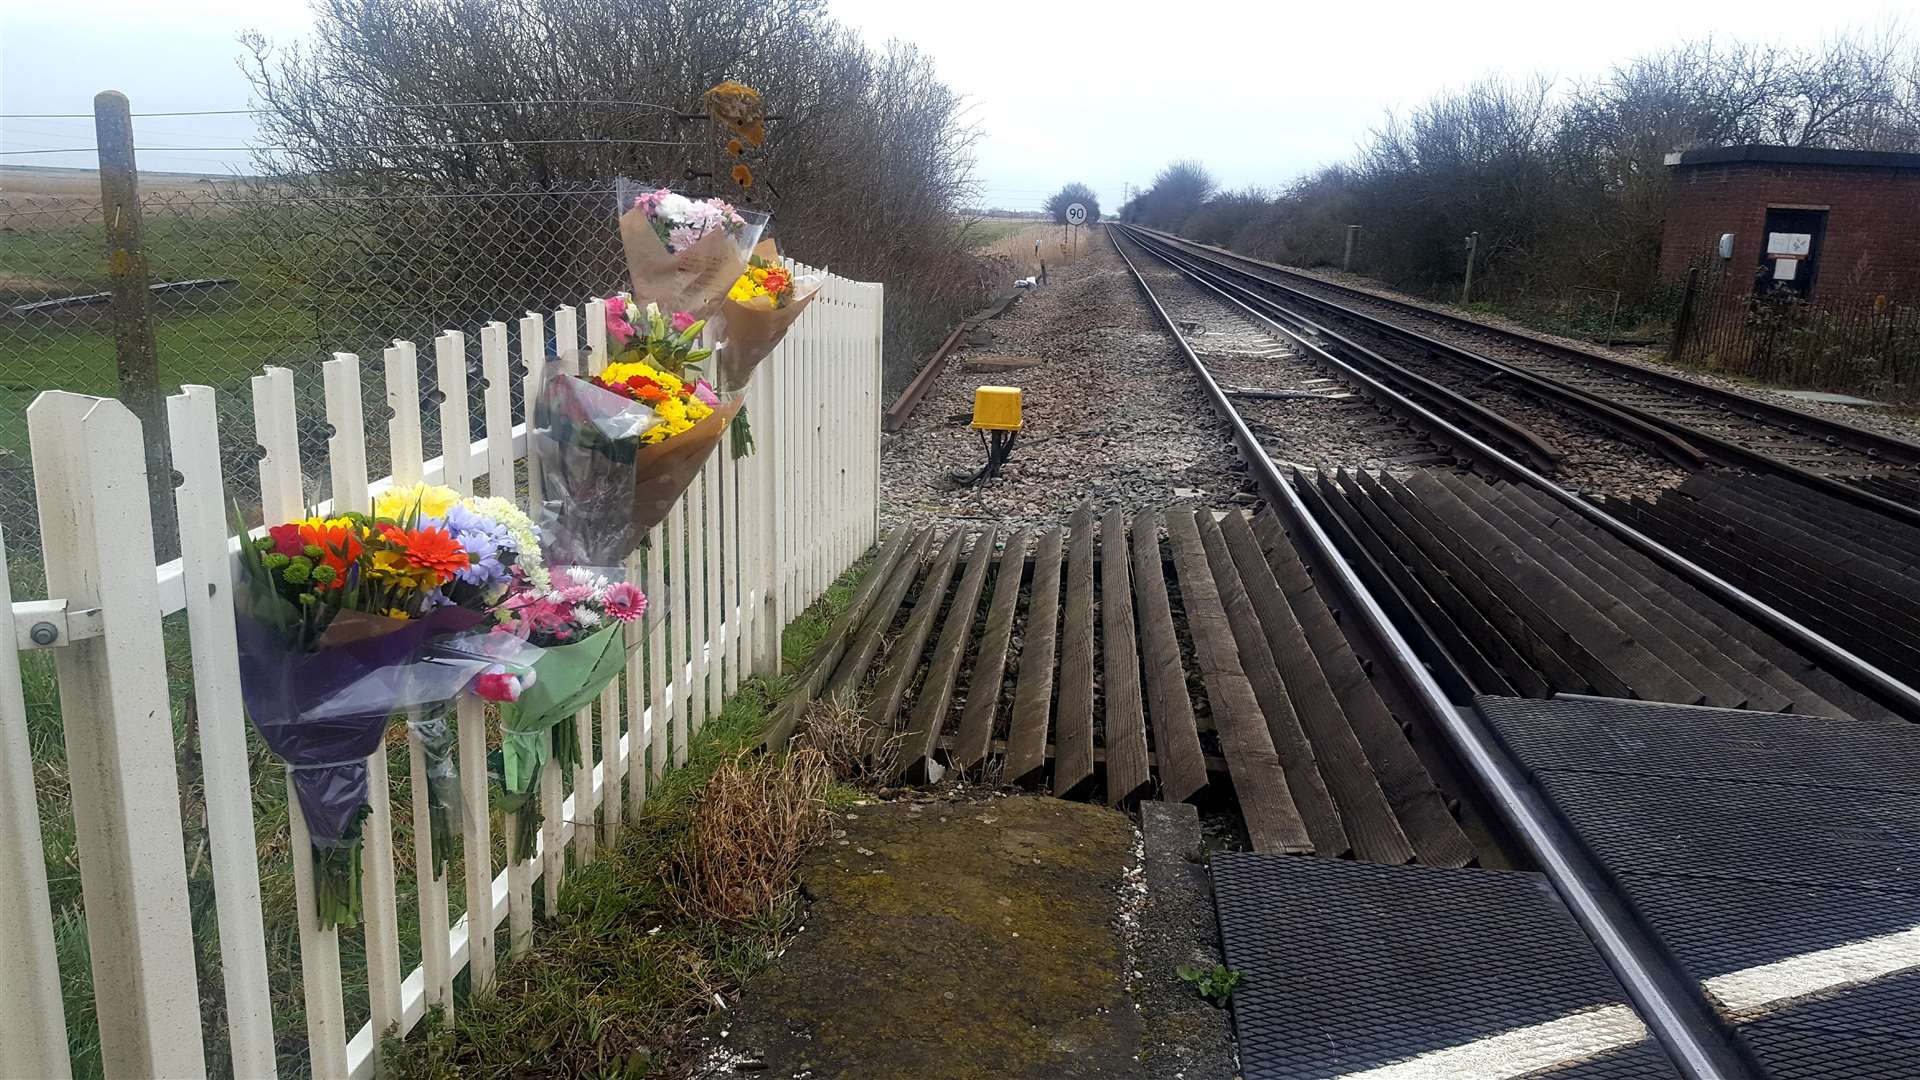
(1564,182)
(864,169)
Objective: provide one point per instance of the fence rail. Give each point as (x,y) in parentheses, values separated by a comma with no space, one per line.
(752,541)
(1851,344)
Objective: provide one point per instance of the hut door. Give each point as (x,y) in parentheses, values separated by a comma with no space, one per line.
(1790,252)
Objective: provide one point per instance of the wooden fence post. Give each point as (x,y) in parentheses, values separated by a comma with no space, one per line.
(33,1020)
(135,357)
(97,536)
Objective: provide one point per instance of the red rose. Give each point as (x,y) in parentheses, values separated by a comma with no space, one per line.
(287,540)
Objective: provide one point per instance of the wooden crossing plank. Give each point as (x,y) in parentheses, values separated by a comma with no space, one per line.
(1438,838)
(1033,698)
(1176,736)
(1368,817)
(1425,589)
(1126,719)
(1617,604)
(1274,823)
(1073,723)
(1299,759)
(1465,627)
(852,672)
(1562,661)
(936,694)
(903,658)
(990,662)
(1716,640)
(813,678)
(1551,603)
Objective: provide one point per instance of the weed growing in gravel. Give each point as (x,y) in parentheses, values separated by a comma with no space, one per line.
(1215,983)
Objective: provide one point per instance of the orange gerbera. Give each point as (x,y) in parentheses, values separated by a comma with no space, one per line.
(431,549)
(776,280)
(339,543)
(743,176)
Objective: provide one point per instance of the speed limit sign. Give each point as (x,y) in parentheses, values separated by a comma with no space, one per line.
(1076,214)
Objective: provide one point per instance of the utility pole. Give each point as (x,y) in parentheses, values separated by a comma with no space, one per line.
(1346,259)
(135,357)
(1466,286)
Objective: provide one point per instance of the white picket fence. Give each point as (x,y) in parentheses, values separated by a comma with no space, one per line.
(771,531)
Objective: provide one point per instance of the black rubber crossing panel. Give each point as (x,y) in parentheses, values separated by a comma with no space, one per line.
(1759,832)
(1594,735)
(1797,1053)
(1717,925)
(1744,840)
(1350,966)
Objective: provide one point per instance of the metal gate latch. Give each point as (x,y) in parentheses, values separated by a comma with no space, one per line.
(50,624)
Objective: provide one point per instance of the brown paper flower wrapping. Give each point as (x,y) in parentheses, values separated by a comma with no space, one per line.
(749,334)
(694,280)
(750,331)
(601,487)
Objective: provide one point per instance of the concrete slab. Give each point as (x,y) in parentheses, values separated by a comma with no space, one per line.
(950,941)
(1825,398)
(1186,1037)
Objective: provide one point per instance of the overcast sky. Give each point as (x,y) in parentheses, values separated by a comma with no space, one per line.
(1259,92)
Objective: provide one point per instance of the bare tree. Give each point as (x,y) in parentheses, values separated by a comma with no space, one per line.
(864,170)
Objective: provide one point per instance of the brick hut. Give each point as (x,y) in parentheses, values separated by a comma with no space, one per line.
(1820,224)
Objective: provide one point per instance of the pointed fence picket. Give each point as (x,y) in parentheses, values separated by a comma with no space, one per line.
(753,541)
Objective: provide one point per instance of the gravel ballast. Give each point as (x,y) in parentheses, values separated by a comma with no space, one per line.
(1112,414)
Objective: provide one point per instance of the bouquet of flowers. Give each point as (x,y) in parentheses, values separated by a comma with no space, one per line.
(335,619)
(575,628)
(758,311)
(616,449)
(684,253)
(505,551)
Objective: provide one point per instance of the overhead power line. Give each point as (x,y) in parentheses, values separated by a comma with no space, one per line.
(419,105)
(366,146)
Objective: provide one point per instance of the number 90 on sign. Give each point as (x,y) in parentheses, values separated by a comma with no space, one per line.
(1076,214)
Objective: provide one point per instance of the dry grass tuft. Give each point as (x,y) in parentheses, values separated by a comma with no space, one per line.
(840,732)
(741,855)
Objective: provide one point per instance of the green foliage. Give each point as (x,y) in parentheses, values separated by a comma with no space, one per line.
(1215,984)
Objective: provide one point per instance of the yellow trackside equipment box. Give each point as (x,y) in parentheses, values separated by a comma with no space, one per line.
(996,408)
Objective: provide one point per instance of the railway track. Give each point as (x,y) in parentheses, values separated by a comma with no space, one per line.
(1485,588)
(1690,424)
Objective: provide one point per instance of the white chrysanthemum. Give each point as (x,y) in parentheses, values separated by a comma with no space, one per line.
(526,536)
(674,207)
(586,616)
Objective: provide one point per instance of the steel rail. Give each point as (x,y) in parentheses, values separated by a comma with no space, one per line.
(1671,1006)
(1879,684)
(1881,449)
(1666,443)
(1873,444)
(1535,449)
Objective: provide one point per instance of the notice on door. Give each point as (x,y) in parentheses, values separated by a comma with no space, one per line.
(1795,244)
(1786,269)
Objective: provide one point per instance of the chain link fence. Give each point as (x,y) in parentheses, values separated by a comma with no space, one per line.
(245,276)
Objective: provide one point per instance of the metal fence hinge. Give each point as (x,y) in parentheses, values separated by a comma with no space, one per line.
(50,624)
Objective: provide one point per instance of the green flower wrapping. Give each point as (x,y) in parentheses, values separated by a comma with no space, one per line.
(539,725)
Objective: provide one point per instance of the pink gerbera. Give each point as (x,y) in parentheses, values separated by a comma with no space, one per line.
(625,602)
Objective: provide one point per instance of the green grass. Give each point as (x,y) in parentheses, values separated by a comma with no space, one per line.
(742,718)
(617,976)
(982,232)
(215,336)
